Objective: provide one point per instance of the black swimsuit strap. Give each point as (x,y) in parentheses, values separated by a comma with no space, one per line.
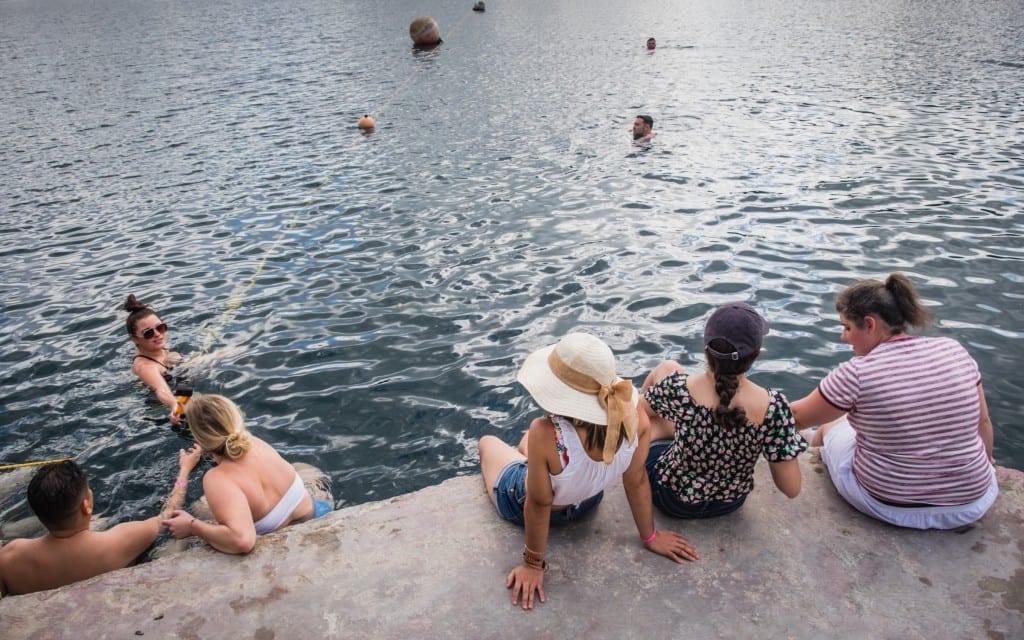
(142,355)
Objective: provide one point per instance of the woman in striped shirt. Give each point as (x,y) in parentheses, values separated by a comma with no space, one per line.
(906,434)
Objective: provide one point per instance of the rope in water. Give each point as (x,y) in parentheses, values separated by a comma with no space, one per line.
(402,87)
(236,299)
(39,463)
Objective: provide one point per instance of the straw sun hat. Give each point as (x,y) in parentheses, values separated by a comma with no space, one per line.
(583,354)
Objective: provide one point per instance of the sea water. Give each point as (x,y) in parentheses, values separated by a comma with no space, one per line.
(367,298)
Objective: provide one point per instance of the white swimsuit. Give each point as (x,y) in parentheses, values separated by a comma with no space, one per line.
(283,509)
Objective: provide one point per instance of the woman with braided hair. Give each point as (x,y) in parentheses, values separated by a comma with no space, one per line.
(591,436)
(906,434)
(709,429)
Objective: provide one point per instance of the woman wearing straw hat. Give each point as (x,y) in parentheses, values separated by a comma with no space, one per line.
(709,429)
(591,436)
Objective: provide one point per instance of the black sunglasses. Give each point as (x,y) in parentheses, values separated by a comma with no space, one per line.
(152,331)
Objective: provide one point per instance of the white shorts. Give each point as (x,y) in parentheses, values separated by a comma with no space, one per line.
(837,453)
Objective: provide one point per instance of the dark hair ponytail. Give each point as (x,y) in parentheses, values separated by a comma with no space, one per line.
(137,310)
(726,374)
(906,298)
(895,301)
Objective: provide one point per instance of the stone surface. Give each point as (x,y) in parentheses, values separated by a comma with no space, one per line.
(432,564)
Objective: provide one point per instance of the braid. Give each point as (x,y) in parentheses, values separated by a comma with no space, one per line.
(728,418)
(726,373)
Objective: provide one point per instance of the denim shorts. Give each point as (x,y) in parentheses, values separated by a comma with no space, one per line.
(668,503)
(510,496)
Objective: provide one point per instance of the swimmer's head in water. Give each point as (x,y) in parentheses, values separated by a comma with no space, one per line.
(651,43)
(56,492)
(642,126)
(137,310)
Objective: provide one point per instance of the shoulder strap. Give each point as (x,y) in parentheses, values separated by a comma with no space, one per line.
(142,355)
(563,451)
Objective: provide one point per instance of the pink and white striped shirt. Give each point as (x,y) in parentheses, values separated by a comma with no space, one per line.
(913,402)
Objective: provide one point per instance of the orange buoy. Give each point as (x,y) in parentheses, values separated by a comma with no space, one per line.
(366,123)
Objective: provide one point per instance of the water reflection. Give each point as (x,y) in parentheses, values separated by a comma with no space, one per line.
(376,293)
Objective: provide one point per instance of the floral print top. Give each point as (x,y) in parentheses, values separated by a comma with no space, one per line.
(705,462)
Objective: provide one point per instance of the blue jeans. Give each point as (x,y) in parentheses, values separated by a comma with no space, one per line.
(510,496)
(669,503)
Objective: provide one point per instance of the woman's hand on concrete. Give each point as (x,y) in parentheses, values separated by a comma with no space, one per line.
(523,581)
(672,545)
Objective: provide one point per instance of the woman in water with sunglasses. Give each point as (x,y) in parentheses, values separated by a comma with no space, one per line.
(152,362)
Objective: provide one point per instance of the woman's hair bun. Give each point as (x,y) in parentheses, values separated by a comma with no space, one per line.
(133,304)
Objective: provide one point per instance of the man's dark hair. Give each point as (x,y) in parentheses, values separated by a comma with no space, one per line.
(56,491)
(648,119)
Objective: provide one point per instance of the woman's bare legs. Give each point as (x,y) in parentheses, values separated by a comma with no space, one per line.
(495,455)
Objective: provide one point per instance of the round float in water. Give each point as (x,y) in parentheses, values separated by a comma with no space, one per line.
(424,31)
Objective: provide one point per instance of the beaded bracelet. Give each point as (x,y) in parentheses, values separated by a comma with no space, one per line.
(534,563)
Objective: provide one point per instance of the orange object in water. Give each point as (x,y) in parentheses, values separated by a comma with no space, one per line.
(179,409)
(366,122)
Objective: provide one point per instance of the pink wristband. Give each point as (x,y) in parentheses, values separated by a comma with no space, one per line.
(179,483)
(651,538)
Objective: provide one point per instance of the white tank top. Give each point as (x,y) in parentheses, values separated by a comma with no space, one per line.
(584,477)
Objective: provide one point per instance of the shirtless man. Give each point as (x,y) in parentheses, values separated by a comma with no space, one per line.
(60,496)
(642,129)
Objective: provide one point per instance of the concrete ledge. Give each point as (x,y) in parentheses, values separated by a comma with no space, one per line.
(433,563)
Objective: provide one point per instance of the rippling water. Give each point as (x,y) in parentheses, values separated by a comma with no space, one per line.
(376,293)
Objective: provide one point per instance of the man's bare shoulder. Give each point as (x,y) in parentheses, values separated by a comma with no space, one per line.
(28,565)
(22,561)
(17,548)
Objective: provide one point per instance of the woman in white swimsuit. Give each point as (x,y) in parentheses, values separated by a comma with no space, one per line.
(251,491)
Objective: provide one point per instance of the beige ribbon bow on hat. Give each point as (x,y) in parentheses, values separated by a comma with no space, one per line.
(616,399)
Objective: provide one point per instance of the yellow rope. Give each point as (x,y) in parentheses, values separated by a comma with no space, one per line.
(401,88)
(36,463)
(235,302)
